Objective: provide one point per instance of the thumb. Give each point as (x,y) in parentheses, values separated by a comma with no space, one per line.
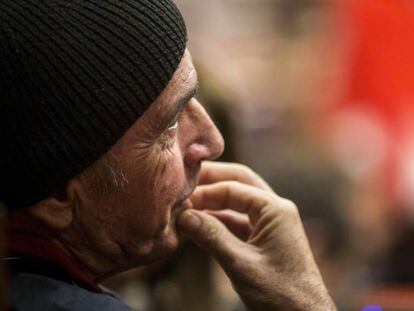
(210,234)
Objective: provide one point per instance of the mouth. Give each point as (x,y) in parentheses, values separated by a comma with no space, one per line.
(178,208)
(183,198)
(184,201)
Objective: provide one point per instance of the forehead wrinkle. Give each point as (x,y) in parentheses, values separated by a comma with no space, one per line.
(183,82)
(180,92)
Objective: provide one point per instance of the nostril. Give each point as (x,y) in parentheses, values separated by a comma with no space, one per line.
(210,148)
(196,153)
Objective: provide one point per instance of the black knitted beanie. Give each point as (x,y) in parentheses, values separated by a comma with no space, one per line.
(74,76)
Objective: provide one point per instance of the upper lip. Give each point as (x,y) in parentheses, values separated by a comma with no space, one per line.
(186,194)
(191,185)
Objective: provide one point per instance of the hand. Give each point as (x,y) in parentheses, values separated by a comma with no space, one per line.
(258,239)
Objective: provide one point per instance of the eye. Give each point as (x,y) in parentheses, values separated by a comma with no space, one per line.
(174,123)
(174,126)
(167,138)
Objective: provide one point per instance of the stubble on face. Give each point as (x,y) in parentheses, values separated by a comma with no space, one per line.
(129,199)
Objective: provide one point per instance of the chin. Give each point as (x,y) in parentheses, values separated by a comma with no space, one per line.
(168,241)
(157,249)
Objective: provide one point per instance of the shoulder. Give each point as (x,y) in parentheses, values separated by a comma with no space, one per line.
(35,292)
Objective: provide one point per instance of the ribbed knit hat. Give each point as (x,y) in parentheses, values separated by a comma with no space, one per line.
(74,76)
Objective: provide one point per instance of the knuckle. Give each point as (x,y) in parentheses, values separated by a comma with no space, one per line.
(233,183)
(245,172)
(289,207)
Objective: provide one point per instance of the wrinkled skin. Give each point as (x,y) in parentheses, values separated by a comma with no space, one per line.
(158,161)
(258,239)
(256,236)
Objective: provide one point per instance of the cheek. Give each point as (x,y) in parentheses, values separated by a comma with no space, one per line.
(156,191)
(168,186)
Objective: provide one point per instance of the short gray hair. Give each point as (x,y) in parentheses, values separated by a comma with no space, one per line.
(106,176)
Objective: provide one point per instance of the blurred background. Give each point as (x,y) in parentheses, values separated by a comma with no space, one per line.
(317,97)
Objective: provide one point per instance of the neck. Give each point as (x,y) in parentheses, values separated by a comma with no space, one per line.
(39,247)
(91,251)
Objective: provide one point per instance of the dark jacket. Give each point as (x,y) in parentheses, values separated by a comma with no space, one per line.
(36,285)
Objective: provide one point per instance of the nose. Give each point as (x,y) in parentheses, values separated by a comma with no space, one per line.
(204,141)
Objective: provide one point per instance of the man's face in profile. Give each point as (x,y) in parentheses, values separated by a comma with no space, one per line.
(155,166)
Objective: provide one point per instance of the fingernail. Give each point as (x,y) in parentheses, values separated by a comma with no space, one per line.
(188,222)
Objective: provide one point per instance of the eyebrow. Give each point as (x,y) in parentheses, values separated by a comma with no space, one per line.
(185,99)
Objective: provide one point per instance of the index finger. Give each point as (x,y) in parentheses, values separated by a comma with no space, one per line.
(212,172)
(234,196)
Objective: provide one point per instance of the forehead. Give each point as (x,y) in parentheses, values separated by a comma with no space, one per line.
(183,81)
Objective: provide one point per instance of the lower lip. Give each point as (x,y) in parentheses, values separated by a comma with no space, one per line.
(186,204)
(180,207)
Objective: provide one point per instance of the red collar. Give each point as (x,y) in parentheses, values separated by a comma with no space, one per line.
(41,249)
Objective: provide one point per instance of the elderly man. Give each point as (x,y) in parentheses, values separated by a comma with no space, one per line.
(103,144)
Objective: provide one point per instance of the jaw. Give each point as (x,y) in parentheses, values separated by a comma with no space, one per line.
(120,250)
(165,243)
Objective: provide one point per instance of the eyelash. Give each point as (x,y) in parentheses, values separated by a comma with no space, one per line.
(176,120)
